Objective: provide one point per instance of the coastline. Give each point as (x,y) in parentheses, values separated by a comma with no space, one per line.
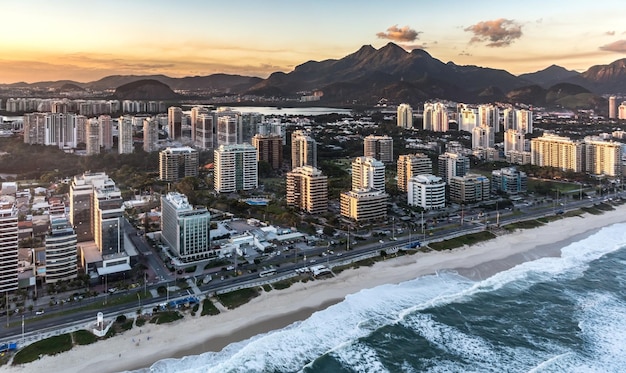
(279,308)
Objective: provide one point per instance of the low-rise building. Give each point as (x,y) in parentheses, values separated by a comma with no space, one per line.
(469,188)
(509,180)
(364,205)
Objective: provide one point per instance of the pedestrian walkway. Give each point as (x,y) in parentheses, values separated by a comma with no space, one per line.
(192,284)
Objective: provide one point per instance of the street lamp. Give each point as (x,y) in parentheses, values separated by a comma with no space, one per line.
(139,300)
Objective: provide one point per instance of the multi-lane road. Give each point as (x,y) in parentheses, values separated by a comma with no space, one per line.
(75,313)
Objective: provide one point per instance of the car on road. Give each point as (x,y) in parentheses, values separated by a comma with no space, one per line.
(40,312)
(230,268)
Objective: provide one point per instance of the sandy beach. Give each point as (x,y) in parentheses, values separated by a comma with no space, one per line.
(137,348)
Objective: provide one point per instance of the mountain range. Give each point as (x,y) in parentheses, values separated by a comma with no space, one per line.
(369,74)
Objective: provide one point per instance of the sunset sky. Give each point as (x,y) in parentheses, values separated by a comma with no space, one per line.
(87,40)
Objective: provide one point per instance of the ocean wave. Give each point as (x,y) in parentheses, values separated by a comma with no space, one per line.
(338,331)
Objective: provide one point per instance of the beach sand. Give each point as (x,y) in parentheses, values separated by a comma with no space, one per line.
(279,308)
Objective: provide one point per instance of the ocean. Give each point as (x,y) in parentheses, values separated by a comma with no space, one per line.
(553,314)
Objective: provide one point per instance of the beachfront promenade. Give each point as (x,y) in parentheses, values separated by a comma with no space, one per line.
(73,318)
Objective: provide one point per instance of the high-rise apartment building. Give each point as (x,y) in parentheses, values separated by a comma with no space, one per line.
(467,118)
(202,130)
(249,126)
(514,141)
(227,127)
(81,203)
(303,150)
(489,116)
(622,111)
(603,157)
(509,180)
(556,151)
(236,168)
(8,244)
(178,163)
(61,253)
(410,166)
(612,107)
(185,229)
(35,128)
(196,111)
(269,149)
(93,137)
(368,173)
(175,122)
(482,137)
(405,116)
(125,135)
(519,120)
(108,212)
(452,164)
(307,189)
(470,188)
(435,117)
(364,205)
(379,147)
(427,191)
(150,135)
(106,132)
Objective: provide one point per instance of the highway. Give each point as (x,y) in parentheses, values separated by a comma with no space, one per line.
(74,313)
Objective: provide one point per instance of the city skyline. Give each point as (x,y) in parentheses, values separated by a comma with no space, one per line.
(87,41)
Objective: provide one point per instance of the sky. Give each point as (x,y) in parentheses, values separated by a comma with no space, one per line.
(86,40)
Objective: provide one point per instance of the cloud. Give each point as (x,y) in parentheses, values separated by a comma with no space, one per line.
(499,32)
(610,33)
(616,46)
(402,34)
(410,47)
(464,53)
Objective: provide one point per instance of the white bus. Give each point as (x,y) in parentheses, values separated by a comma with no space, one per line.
(267,272)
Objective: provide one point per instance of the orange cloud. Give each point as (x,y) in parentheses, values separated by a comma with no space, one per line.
(616,46)
(498,32)
(401,34)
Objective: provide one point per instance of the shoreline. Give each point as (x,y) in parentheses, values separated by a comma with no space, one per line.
(279,308)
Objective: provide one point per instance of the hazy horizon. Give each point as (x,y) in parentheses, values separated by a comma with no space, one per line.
(88,41)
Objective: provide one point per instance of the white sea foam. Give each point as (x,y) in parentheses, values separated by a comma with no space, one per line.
(337,329)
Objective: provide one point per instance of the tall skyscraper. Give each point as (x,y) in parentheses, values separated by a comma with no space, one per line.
(368,173)
(236,168)
(175,122)
(489,116)
(269,149)
(150,135)
(227,129)
(184,228)
(519,120)
(8,244)
(196,111)
(612,107)
(453,164)
(303,150)
(405,116)
(178,163)
(307,189)
(108,212)
(514,141)
(203,131)
(410,166)
(249,126)
(482,137)
(435,117)
(93,136)
(106,132)
(125,135)
(61,255)
(228,124)
(81,200)
(467,118)
(379,147)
